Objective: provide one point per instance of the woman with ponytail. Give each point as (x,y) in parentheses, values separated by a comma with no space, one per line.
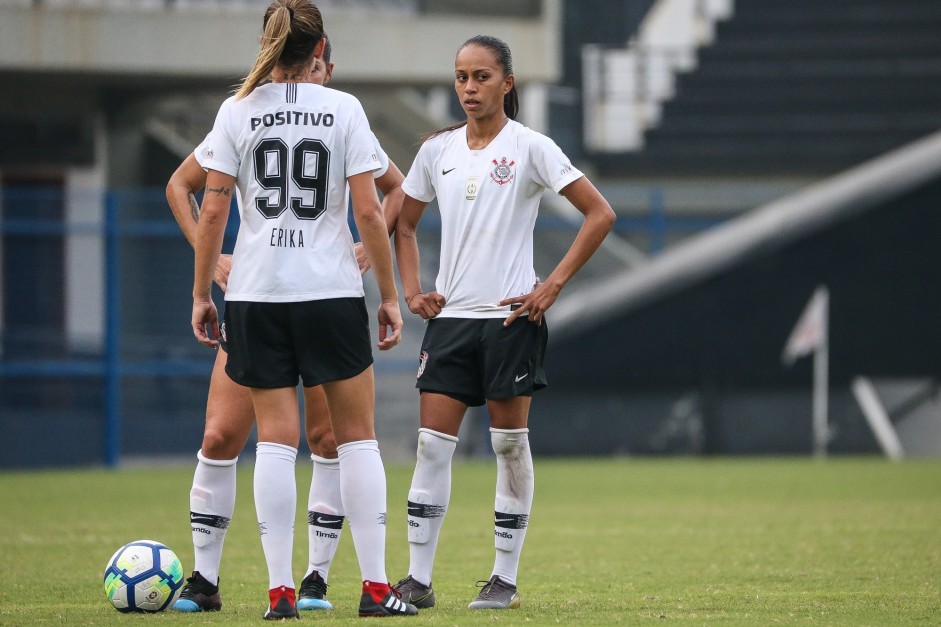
(294,300)
(486,335)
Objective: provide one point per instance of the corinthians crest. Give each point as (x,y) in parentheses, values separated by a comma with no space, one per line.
(422,362)
(502,171)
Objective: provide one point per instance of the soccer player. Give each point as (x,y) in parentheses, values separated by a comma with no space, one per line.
(229,419)
(486,334)
(294,298)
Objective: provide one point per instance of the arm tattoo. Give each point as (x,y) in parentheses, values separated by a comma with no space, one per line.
(219,191)
(194,207)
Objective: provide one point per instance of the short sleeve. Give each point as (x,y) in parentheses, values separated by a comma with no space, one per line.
(219,150)
(419,183)
(200,151)
(383,158)
(361,153)
(551,168)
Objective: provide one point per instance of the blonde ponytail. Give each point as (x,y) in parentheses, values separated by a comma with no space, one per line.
(292,31)
(277,29)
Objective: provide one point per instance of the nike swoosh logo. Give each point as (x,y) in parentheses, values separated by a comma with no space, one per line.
(324,522)
(500,520)
(518,378)
(445,172)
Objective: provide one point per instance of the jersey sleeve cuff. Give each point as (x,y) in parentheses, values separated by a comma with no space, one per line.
(370,166)
(414,193)
(219,166)
(573,176)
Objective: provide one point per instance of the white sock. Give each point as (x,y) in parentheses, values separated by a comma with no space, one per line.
(212,502)
(324,515)
(363,486)
(514,499)
(428,500)
(275,504)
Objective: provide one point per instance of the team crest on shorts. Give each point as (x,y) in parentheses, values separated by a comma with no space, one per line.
(502,171)
(422,361)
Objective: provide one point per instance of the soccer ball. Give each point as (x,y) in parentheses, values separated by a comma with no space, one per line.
(143,576)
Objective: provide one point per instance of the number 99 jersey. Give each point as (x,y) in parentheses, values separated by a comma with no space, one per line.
(291,148)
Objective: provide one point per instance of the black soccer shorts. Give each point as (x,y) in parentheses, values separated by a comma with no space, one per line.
(271,345)
(473,359)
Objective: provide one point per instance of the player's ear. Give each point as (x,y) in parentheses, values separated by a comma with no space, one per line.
(320,47)
(328,73)
(508,83)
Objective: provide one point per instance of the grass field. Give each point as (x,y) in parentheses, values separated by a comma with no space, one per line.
(741,541)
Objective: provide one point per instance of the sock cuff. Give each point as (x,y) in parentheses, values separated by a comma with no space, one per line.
(509,431)
(438,434)
(215,462)
(324,461)
(358,445)
(277,450)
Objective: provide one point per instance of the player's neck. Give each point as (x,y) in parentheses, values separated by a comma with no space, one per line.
(291,75)
(481,132)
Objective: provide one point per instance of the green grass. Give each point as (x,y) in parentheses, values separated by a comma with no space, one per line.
(743,541)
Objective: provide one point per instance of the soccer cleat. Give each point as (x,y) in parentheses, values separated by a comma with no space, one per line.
(199,595)
(313,593)
(414,592)
(281,604)
(388,605)
(496,595)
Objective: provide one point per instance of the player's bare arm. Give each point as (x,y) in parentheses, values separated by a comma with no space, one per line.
(209,234)
(371,224)
(599,219)
(188,179)
(427,305)
(185,182)
(390,184)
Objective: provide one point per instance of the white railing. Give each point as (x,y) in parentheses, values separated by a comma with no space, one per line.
(624,88)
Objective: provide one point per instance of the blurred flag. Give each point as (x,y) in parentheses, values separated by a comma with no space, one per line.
(810,332)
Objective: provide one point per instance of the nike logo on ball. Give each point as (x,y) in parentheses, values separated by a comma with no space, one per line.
(444,172)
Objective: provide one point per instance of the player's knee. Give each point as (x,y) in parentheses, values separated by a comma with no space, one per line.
(509,443)
(322,443)
(220,444)
(435,447)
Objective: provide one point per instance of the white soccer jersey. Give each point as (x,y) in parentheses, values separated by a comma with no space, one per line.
(291,147)
(200,151)
(488,201)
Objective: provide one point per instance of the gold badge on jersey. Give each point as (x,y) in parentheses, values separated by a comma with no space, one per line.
(470,188)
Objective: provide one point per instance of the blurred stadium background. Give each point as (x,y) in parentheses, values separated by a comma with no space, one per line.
(753,150)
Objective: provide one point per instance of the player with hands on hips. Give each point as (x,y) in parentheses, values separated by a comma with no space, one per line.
(486,335)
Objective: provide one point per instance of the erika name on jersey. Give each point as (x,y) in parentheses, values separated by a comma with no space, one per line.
(287,238)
